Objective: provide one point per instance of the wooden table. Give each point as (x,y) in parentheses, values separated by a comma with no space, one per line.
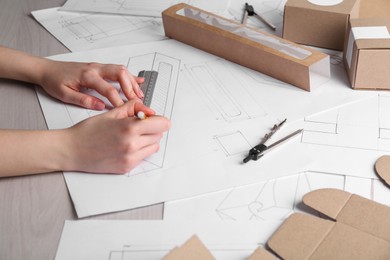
(33,208)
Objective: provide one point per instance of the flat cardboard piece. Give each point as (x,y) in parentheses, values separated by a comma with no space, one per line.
(382,167)
(261,254)
(359,230)
(367,53)
(192,249)
(318,25)
(289,62)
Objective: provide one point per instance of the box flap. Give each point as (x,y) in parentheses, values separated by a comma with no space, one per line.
(192,249)
(261,254)
(345,7)
(372,33)
(299,236)
(382,167)
(352,210)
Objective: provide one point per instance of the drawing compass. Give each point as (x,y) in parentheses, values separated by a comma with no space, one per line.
(259,150)
(250,11)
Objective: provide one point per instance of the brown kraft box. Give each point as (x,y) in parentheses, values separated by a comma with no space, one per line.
(289,62)
(367,53)
(318,25)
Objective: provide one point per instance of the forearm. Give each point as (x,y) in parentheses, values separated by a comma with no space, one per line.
(21,66)
(30,152)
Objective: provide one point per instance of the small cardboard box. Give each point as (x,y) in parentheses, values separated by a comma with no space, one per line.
(266,53)
(367,53)
(359,229)
(324,26)
(374,9)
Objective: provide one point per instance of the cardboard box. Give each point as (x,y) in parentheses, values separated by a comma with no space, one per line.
(374,9)
(367,53)
(359,229)
(318,25)
(289,62)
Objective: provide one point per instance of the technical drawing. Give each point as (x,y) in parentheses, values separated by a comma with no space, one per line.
(224,91)
(233,143)
(278,198)
(163,97)
(361,125)
(92,27)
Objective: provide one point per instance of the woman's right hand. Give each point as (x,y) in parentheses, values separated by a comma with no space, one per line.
(115,141)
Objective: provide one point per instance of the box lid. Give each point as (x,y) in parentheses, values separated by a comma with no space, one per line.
(334,6)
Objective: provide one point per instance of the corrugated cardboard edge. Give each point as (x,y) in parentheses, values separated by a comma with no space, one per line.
(200,35)
(192,249)
(382,168)
(262,254)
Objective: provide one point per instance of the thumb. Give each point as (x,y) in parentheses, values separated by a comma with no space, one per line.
(131,108)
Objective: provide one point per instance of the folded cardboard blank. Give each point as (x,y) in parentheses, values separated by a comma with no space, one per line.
(289,62)
(367,53)
(359,229)
(314,23)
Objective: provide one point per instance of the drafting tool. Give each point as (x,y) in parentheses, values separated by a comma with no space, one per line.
(148,85)
(250,11)
(259,150)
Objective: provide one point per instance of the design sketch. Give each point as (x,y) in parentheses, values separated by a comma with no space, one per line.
(224,91)
(361,125)
(130,252)
(233,143)
(92,28)
(138,7)
(163,97)
(278,198)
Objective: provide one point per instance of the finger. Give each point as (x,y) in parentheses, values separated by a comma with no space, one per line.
(106,89)
(145,152)
(152,125)
(83,100)
(126,80)
(138,107)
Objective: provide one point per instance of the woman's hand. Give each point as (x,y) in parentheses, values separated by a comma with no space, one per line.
(116,141)
(64,81)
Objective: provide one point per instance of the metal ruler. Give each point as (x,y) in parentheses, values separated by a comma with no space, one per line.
(148,85)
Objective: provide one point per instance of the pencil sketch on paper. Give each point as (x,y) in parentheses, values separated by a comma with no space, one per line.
(138,7)
(361,125)
(274,199)
(92,27)
(224,91)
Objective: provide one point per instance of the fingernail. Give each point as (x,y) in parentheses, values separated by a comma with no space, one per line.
(99,106)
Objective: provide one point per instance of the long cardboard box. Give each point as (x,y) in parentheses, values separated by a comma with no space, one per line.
(367,53)
(289,62)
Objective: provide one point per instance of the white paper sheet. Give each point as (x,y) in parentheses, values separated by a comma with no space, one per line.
(87,31)
(348,140)
(139,7)
(270,200)
(237,105)
(152,239)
